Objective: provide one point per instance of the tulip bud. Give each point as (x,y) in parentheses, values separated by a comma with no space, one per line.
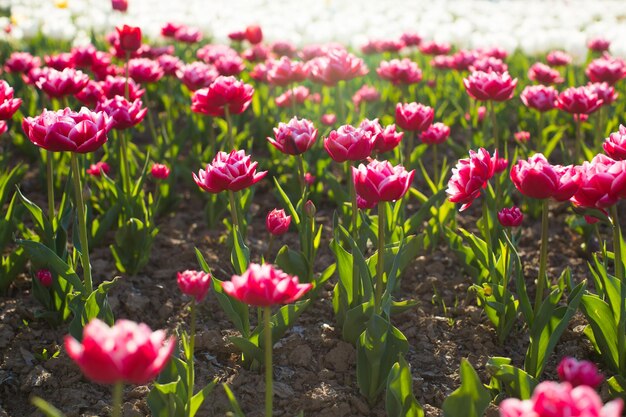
(522,136)
(309,178)
(310,209)
(130,38)
(96,170)
(119,5)
(329,119)
(510,217)
(277,222)
(160,171)
(45,277)
(194,283)
(254,34)
(579,372)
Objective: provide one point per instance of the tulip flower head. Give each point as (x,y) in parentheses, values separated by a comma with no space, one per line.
(144,70)
(414,116)
(44,276)
(558,59)
(510,217)
(223,92)
(119,5)
(487,64)
(169,29)
(99,168)
(128,352)
(387,139)
(194,283)
(295,137)
(8,104)
(544,74)
(329,119)
(129,38)
(58,84)
(579,372)
(599,44)
(434,48)
(264,286)
(188,34)
(605,92)
(579,100)
(539,97)
(602,182)
(21,62)
(348,144)
(398,71)
(537,178)
(435,134)
(123,113)
(285,72)
(335,66)
(470,176)
(606,69)
(197,75)
(485,86)
(277,222)
(232,172)
(60,61)
(380,181)
(254,34)
(116,86)
(91,95)
(160,171)
(522,136)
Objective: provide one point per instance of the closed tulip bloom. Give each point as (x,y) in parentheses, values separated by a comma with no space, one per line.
(197,75)
(65,130)
(44,276)
(336,65)
(599,44)
(434,48)
(380,181)
(414,116)
(21,62)
(606,69)
(398,71)
(116,86)
(8,104)
(159,171)
(237,35)
(553,399)
(615,145)
(501,165)
(277,222)
(254,34)
(170,64)
(91,95)
(285,71)
(128,352)
(119,5)
(579,372)
(265,286)
(602,182)
(539,97)
(537,178)
(435,134)
(294,137)
(233,172)
(470,176)
(605,92)
(97,169)
(329,119)
(348,144)
(223,92)
(544,74)
(579,100)
(257,53)
(129,38)
(558,59)
(123,113)
(187,34)
(387,139)
(510,217)
(57,84)
(60,61)
(144,70)
(194,283)
(490,86)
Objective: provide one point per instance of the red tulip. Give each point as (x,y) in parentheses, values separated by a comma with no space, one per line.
(510,217)
(124,114)
(197,75)
(599,44)
(8,104)
(601,183)
(329,119)
(44,277)
(380,181)
(129,38)
(277,222)
(285,72)
(66,130)
(543,74)
(91,95)
(606,69)
(21,62)
(490,86)
(231,172)
(160,171)
(536,178)
(398,71)
(97,169)
(335,66)
(348,144)
(579,100)
(435,134)
(414,116)
(58,84)
(539,97)
(127,352)
(187,34)
(579,372)
(470,176)
(615,145)
(294,137)
(144,70)
(254,34)
(116,86)
(264,286)
(194,283)
(223,92)
(60,61)
(237,35)
(558,59)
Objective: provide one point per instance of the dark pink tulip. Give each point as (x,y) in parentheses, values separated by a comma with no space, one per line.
(187,34)
(97,169)
(116,86)
(232,172)
(434,48)
(119,5)
(470,176)
(285,72)
(435,134)
(501,165)
(309,178)
(127,352)
(411,38)
(329,119)
(558,59)
(487,64)
(387,139)
(284,48)
(265,286)
(539,97)
(65,130)
(510,217)
(579,100)
(58,84)
(615,145)
(169,29)
(380,181)
(44,276)
(237,35)
(463,59)
(83,56)
(91,95)
(21,62)
(605,92)
(398,71)
(579,372)
(606,69)
(223,92)
(277,222)
(8,104)
(294,137)
(229,65)
(129,38)
(60,61)
(335,66)
(490,86)
(348,144)
(363,204)
(599,44)
(197,75)
(170,64)
(414,116)
(493,52)
(123,113)
(536,178)
(3,127)
(601,183)
(144,70)
(259,72)
(194,283)
(159,171)
(544,74)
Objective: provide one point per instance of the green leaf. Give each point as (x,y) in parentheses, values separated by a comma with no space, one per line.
(43,256)
(200,396)
(236,311)
(287,203)
(234,405)
(48,409)
(399,400)
(294,263)
(96,305)
(471,399)
(604,329)
(517,383)
(240,255)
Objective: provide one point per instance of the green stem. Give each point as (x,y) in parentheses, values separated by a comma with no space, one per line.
(380,262)
(126,181)
(578,145)
(118,393)
(487,233)
(339,105)
(229,127)
(233,211)
(50,179)
(505,289)
(269,391)
(192,341)
(126,86)
(617,244)
(541,127)
(355,235)
(542,279)
(153,131)
(494,124)
(269,248)
(301,174)
(619,273)
(435,165)
(82,225)
(408,149)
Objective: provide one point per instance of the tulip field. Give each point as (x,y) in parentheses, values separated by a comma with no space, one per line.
(198,225)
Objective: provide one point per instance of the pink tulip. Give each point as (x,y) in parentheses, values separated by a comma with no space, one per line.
(187,34)
(99,168)
(510,217)
(579,372)
(285,72)
(299,94)
(414,116)
(602,182)
(536,178)
(380,181)
(169,29)
(265,286)
(294,137)
(485,86)
(599,44)
(44,277)
(21,62)
(194,283)
(411,38)
(284,48)
(615,145)
(348,144)
(487,64)
(387,139)
(329,119)
(233,172)
(434,48)
(58,84)
(365,94)
(8,104)
(116,86)
(435,134)
(335,66)
(127,352)
(539,97)
(470,176)
(606,69)
(144,70)
(160,171)
(558,59)
(237,35)
(60,61)
(605,92)
(83,56)
(463,59)
(579,100)
(197,75)
(91,95)
(543,74)
(223,92)
(170,65)
(123,113)
(522,136)
(277,222)
(229,65)
(398,71)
